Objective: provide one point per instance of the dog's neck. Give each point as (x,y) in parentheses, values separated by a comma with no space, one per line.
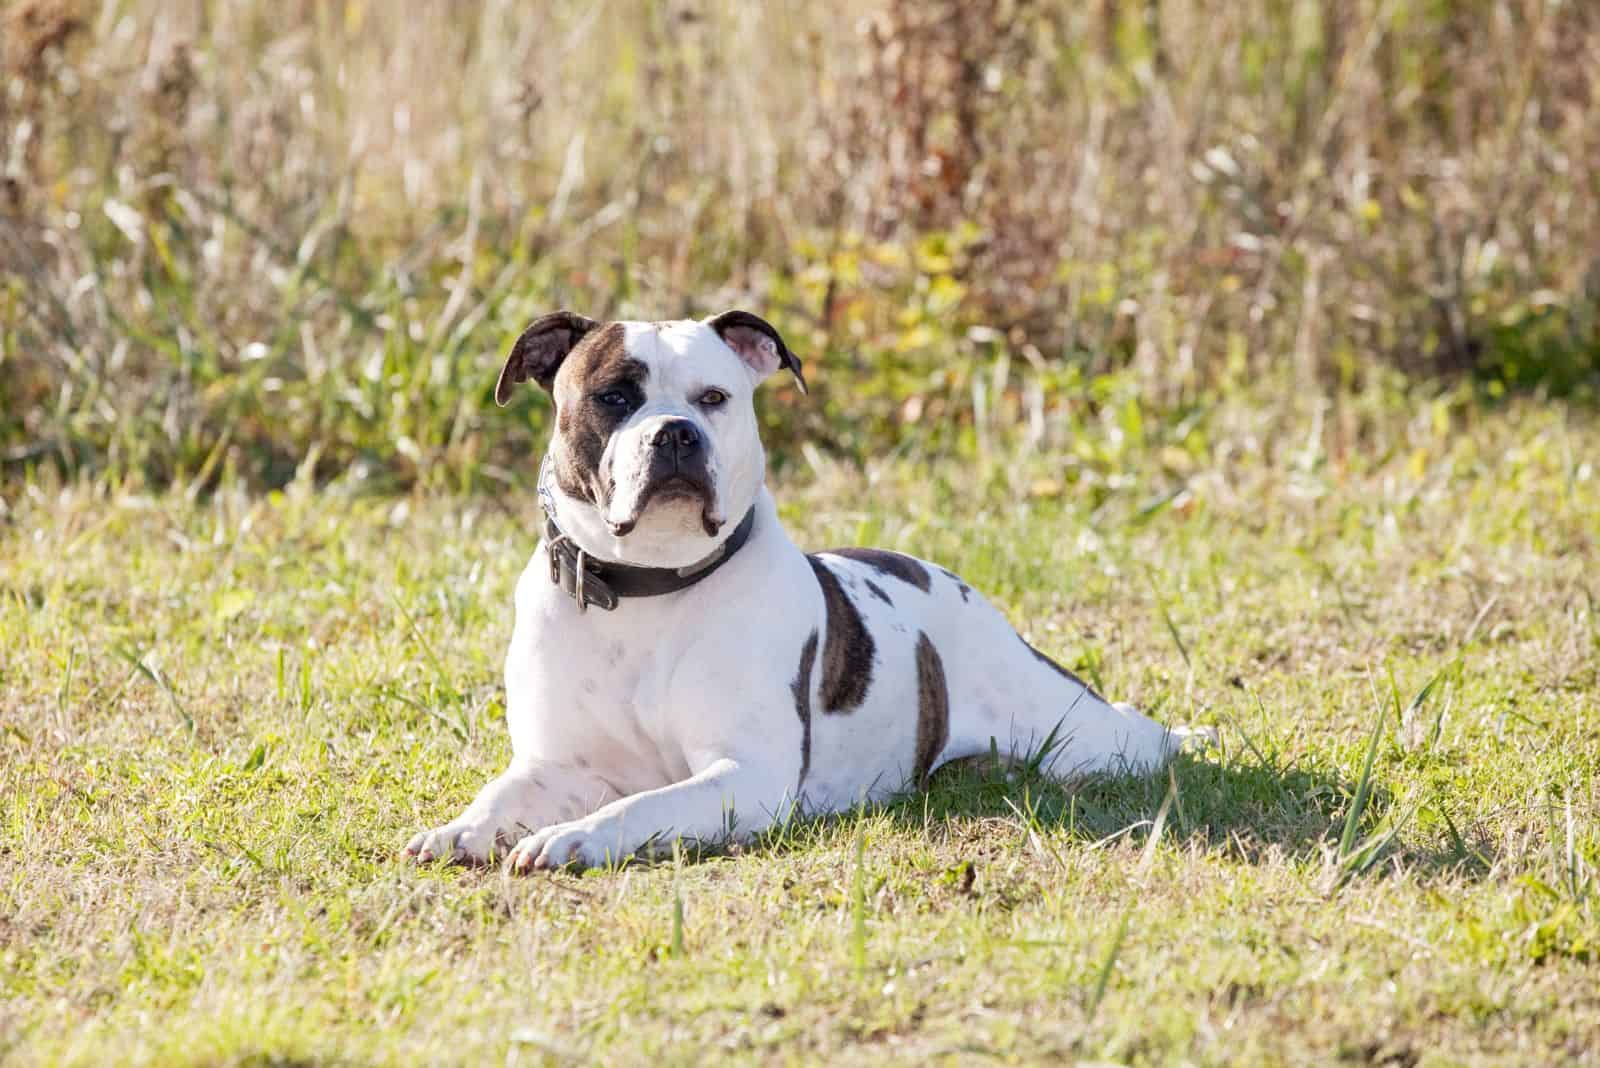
(668,538)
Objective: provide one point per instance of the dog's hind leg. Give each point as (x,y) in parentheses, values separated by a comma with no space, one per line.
(1034,709)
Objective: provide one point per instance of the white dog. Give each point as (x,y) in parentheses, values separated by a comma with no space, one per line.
(680,669)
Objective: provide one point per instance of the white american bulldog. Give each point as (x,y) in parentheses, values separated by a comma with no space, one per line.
(679,668)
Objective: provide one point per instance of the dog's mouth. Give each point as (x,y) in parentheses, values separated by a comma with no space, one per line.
(676,487)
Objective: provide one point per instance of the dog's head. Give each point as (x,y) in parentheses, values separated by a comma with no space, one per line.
(656,452)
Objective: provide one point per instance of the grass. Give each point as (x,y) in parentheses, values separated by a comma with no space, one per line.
(232,228)
(221,715)
(1149,405)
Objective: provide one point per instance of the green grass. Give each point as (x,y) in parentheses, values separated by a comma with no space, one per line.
(221,717)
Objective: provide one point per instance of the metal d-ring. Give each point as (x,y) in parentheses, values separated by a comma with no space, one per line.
(577,582)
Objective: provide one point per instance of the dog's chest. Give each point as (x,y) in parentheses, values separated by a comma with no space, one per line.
(592,684)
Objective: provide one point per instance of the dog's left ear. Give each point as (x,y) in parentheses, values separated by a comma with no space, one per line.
(539,351)
(757,343)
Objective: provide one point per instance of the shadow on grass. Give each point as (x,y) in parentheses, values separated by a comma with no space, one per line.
(1250,811)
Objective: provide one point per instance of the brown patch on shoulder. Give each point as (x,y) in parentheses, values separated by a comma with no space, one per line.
(848,650)
(933,708)
(584,425)
(1057,668)
(801,688)
(897,565)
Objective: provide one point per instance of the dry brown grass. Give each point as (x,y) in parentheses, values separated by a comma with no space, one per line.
(213,201)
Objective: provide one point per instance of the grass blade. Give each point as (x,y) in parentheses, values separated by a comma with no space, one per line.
(141,666)
(677,899)
(858,907)
(1103,977)
(1352,819)
(1370,849)
(1149,855)
(1172,627)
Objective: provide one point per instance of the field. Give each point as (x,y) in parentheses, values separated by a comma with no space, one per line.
(1247,355)
(224,717)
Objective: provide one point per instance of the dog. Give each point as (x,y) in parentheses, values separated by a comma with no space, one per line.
(678,668)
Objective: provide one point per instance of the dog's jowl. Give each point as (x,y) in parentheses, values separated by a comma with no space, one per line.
(679,668)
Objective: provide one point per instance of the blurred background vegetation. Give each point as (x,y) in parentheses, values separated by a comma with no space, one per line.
(249,238)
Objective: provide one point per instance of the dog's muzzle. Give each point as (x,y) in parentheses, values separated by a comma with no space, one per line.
(677,470)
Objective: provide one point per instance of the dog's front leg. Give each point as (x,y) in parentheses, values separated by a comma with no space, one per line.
(530,794)
(728,798)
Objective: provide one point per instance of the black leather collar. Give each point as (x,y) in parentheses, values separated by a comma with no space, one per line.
(594,582)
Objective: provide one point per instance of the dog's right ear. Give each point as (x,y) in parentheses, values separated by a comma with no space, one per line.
(758,343)
(539,351)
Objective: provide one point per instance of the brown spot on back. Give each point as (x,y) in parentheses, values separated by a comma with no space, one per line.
(583,425)
(966,591)
(933,708)
(847,651)
(1057,668)
(801,688)
(877,591)
(896,565)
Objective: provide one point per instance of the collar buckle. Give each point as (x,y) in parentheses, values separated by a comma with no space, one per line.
(575,572)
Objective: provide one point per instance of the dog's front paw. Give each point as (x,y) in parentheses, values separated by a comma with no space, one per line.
(579,844)
(460,842)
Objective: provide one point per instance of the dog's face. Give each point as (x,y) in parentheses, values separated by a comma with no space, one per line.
(656,442)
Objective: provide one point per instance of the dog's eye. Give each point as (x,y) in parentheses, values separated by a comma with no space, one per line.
(713,398)
(613,398)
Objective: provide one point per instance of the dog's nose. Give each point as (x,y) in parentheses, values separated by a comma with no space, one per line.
(680,436)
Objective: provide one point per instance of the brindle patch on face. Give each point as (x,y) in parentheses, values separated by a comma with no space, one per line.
(901,567)
(966,591)
(933,708)
(599,364)
(801,688)
(1057,668)
(848,650)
